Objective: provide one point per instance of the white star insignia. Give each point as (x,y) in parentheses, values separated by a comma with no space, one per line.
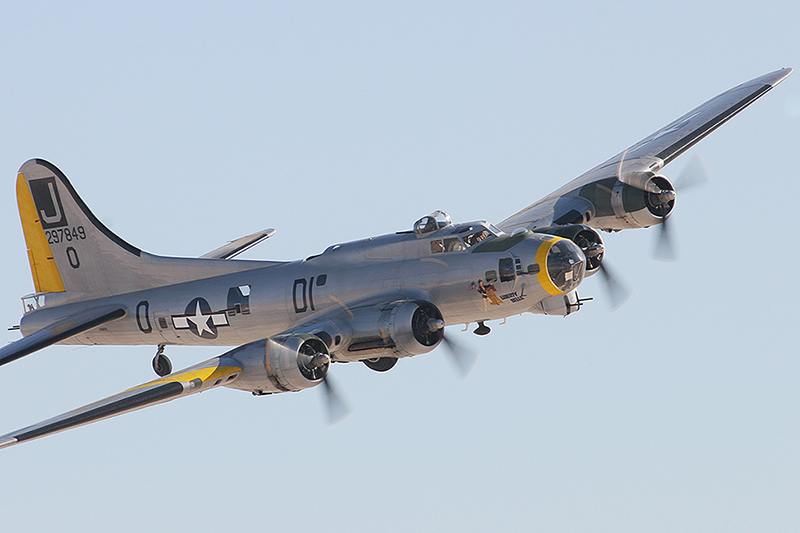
(202,323)
(200,320)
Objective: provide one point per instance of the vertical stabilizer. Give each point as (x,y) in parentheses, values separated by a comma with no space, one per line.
(71,251)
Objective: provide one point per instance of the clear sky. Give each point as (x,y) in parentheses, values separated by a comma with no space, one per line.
(185,125)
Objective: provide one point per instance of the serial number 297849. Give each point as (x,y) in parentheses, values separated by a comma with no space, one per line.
(55,236)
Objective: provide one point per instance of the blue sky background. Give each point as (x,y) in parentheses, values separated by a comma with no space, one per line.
(185,125)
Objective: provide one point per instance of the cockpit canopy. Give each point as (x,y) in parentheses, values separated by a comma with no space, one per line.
(432,223)
(455,238)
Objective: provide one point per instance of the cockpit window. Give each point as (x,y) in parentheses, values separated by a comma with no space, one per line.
(449,244)
(453,244)
(474,238)
(495,230)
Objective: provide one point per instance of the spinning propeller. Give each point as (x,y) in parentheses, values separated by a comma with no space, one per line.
(315,363)
(594,253)
(617,291)
(463,357)
(660,199)
(428,328)
(336,408)
(693,174)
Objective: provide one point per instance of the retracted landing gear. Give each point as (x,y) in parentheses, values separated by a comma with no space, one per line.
(161,363)
(381,364)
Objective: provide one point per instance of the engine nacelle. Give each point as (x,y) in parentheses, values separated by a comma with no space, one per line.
(649,201)
(587,239)
(643,200)
(281,364)
(398,329)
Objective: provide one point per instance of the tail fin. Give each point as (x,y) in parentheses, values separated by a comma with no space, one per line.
(71,251)
(67,245)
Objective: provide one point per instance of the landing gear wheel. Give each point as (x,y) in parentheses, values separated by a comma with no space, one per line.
(381,364)
(161,363)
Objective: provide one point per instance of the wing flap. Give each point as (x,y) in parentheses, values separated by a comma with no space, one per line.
(59,330)
(204,376)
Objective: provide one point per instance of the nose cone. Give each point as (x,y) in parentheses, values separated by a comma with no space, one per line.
(565,266)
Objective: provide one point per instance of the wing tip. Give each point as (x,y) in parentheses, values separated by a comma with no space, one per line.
(778,76)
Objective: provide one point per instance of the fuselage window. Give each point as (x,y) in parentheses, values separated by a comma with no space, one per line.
(321,279)
(239,300)
(506,268)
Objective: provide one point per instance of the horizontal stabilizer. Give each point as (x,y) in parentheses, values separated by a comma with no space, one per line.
(59,330)
(234,248)
(204,376)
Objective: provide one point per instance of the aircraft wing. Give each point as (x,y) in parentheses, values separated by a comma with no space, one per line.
(204,376)
(653,152)
(242,244)
(59,330)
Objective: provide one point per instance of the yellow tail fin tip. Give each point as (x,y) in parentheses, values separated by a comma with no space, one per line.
(43,268)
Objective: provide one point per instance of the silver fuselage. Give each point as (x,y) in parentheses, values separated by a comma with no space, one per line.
(245,306)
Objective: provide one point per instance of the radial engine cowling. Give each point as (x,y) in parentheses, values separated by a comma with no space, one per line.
(281,364)
(399,329)
(648,199)
(587,239)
